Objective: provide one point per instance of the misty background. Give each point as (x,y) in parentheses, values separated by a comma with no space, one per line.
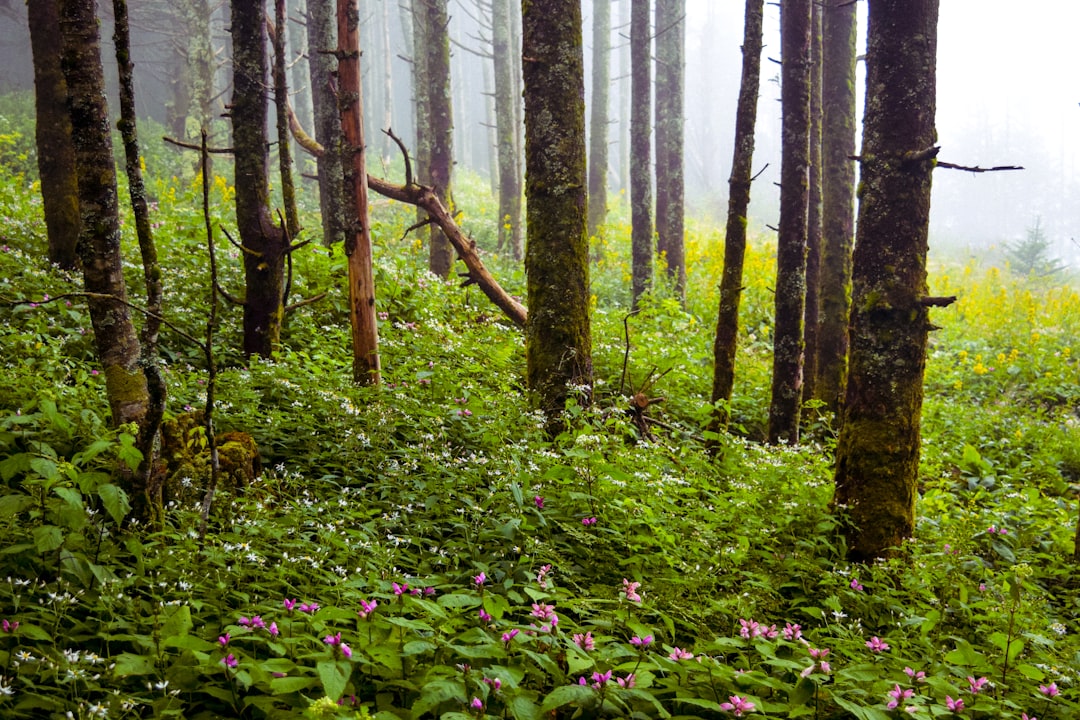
(1008,94)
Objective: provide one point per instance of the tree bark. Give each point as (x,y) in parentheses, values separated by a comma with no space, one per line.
(365,334)
(281,105)
(264,245)
(727,321)
(558,344)
(641,219)
(598,121)
(56,154)
(146,494)
(99,237)
(670,111)
(791,244)
(421,92)
(812,312)
(877,458)
(440,124)
(838,199)
(322,40)
(510,231)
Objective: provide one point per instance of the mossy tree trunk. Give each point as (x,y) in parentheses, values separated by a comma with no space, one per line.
(322,40)
(281,107)
(115,340)
(670,62)
(56,154)
(558,344)
(264,245)
(727,321)
(838,199)
(641,196)
(813,216)
(420,93)
(365,337)
(440,120)
(146,494)
(505,64)
(598,121)
(795,16)
(878,449)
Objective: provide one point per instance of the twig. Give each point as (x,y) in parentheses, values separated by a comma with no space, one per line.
(976,168)
(189,146)
(626,355)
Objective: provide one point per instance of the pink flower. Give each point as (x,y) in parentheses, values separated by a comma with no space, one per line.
(641,642)
(477,704)
(223,640)
(792,632)
(919,677)
(1025,716)
(877,645)
(585,642)
(976,685)
(678,653)
(954,705)
(539,500)
(243,621)
(484,616)
(628,682)
(229,661)
(630,590)
(495,683)
(480,579)
(587,521)
(273,629)
(817,654)
(309,608)
(1050,690)
(400,589)
(738,706)
(289,604)
(541,577)
(856,585)
(542,611)
(508,636)
(898,696)
(346,651)
(601,679)
(367,607)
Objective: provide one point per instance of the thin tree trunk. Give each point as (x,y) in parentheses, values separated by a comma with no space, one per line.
(791,244)
(322,40)
(281,104)
(146,495)
(99,237)
(300,81)
(558,344)
(506,102)
(813,218)
(56,155)
(598,122)
(727,322)
(877,454)
(625,93)
(641,219)
(440,125)
(365,335)
(838,199)
(264,245)
(387,80)
(420,93)
(670,111)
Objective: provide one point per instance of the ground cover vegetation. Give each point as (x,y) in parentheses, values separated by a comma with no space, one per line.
(424,550)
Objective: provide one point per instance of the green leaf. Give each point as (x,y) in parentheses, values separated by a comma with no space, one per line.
(178,623)
(803,691)
(70,495)
(334,675)
(965,655)
(566,695)
(437,692)
(47,538)
(46,468)
(128,664)
(115,501)
(12,466)
(11,505)
(417,647)
(33,632)
(458,600)
(1031,672)
(285,685)
(522,708)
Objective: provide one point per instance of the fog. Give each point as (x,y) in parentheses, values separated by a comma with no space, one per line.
(1008,94)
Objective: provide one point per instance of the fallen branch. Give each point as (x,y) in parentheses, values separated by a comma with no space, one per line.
(976,168)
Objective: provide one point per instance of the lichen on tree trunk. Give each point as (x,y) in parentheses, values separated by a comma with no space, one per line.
(510,230)
(670,40)
(878,447)
(440,124)
(641,195)
(558,344)
(322,40)
(598,121)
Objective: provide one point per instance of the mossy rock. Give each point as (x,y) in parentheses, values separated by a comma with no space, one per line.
(185,457)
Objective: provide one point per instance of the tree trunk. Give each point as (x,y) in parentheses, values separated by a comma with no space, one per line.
(56,155)
(300,79)
(264,245)
(625,92)
(146,494)
(365,334)
(420,93)
(877,456)
(99,237)
(838,199)
(281,105)
(322,40)
(558,344)
(727,321)
(387,81)
(813,216)
(598,121)
(506,101)
(670,63)
(641,219)
(791,244)
(440,124)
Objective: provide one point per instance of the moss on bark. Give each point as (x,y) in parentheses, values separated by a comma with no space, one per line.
(670,28)
(558,345)
(878,447)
